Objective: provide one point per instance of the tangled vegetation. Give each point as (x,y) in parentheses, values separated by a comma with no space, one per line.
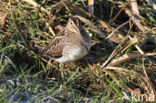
(25,76)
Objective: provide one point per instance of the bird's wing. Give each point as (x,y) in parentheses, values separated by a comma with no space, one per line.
(56,46)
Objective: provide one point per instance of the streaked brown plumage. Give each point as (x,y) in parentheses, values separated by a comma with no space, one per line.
(70,44)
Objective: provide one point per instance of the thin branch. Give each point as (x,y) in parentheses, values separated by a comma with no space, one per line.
(117,28)
(91,6)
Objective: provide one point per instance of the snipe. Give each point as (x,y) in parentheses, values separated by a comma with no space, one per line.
(70,44)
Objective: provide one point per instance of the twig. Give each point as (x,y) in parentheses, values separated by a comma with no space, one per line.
(136,14)
(136,20)
(134,6)
(113,38)
(123,7)
(118,28)
(117,49)
(128,57)
(91,6)
(136,46)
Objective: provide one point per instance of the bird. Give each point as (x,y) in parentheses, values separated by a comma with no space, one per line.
(70,44)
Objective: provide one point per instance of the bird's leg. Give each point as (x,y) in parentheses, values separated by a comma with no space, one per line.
(61,69)
(48,64)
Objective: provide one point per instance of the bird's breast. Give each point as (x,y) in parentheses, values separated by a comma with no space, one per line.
(77,53)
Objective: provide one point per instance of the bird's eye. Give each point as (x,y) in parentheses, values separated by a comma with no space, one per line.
(71,22)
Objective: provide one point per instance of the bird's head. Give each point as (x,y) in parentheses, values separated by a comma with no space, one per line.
(73,23)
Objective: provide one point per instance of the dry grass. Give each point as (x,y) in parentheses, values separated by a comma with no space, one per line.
(25,77)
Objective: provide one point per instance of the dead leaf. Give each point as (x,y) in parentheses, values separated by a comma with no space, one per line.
(128,57)
(3,20)
(76,9)
(93,27)
(115,52)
